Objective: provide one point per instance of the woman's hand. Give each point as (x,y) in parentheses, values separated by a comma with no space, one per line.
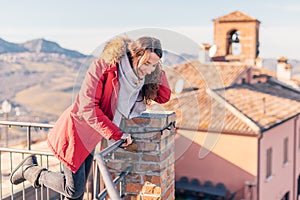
(128,139)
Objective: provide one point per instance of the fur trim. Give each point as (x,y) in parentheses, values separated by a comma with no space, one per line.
(115,49)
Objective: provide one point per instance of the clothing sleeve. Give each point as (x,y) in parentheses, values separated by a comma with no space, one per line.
(164,91)
(89,101)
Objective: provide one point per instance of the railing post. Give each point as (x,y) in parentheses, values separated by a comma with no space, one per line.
(29,137)
(6,131)
(109,183)
(151,155)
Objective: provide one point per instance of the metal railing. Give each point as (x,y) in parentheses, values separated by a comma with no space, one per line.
(24,191)
(110,184)
(29,126)
(9,157)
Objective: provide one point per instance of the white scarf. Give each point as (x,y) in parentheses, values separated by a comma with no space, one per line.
(130,102)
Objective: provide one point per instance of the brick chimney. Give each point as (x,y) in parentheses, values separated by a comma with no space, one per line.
(151,155)
(284,70)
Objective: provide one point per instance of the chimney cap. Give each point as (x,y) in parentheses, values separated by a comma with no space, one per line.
(282,59)
(205,46)
(258,58)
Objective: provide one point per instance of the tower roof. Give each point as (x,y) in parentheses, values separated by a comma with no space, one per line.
(236,16)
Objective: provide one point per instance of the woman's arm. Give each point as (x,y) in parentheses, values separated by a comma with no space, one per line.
(164,91)
(89,101)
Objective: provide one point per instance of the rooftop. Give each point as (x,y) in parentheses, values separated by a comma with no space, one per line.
(235,16)
(267,104)
(216,97)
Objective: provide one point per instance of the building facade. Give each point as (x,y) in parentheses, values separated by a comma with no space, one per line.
(237,123)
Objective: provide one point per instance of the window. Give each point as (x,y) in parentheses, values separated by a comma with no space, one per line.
(285,150)
(269,163)
(286,196)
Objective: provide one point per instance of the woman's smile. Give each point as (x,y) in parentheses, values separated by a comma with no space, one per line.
(148,67)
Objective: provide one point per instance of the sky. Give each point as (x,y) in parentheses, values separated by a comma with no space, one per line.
(84,25)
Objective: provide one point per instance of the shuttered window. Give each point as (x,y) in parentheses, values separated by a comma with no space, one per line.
(269,163)
(285,150)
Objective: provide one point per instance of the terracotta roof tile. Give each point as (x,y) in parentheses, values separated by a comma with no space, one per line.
(198,111)
(267,104)
(262,71)
(294,82)
(254,107)
(198,75)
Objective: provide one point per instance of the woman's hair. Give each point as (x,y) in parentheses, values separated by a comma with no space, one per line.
(137,49)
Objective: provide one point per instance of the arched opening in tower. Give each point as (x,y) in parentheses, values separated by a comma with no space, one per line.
(234,46)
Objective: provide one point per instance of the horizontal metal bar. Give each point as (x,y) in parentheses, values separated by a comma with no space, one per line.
(112,147)
(2,149)
(26,124)
(116,181)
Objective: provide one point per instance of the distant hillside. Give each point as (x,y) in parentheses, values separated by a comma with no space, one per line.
(40,78)
(8,47)
(45,46)
(38,46)
(171,59)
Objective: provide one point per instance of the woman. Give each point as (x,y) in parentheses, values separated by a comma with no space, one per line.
(125,78)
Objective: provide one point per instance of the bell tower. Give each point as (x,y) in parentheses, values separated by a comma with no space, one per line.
(236,37)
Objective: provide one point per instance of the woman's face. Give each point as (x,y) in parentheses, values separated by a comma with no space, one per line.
(146,64)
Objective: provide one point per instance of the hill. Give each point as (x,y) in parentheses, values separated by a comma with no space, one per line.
(45,46)
(8,47)
(38,46)
(38,77)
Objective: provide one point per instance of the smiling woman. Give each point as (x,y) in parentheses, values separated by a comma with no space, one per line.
(146,65)
(117,85)
(144,56)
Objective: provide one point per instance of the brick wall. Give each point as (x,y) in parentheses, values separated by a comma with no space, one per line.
(151,155)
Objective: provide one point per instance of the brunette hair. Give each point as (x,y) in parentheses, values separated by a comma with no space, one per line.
(137,49)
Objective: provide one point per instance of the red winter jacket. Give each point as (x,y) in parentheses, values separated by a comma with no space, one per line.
(82,126)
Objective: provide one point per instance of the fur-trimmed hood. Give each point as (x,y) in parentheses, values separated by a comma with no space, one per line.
(115,49)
